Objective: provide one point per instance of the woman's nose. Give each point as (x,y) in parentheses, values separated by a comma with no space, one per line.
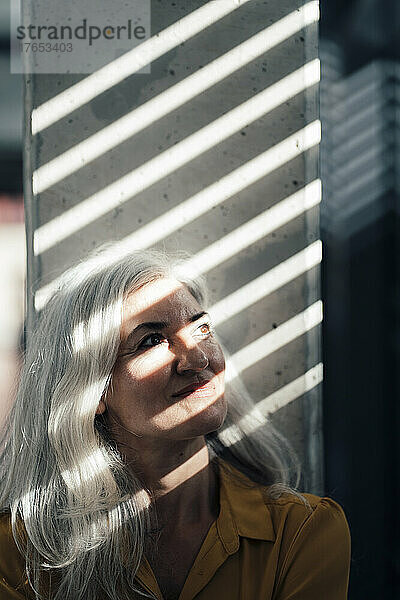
(190,359)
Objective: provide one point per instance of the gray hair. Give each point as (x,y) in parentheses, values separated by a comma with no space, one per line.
(84,516)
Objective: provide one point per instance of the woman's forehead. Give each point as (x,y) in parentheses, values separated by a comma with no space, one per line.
(160,300)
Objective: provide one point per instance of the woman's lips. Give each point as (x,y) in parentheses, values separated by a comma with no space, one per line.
(198,390)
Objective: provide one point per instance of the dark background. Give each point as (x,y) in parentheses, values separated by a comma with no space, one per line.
(359,49)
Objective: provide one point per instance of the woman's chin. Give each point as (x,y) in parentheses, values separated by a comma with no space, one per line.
(207,420)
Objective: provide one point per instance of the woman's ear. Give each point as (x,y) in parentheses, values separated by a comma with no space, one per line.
(101,407)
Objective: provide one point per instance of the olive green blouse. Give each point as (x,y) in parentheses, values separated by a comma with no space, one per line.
(257,549)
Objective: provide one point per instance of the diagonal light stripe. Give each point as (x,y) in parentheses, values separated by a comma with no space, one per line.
(49,234)
(82,92)
(177,95)
(291,207)
(172,159)
(254,230)
(200,141)
(275,339)
(266,283)
(292,390)
(258,416)
(199,204)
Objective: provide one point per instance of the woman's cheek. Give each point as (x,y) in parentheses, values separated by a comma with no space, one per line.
(155,362)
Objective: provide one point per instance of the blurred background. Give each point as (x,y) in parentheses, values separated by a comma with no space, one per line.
(12,229)
(359,50)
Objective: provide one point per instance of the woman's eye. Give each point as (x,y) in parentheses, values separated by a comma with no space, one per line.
(205,329)
(154,339)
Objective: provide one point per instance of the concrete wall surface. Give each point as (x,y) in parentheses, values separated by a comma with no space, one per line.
(215,152)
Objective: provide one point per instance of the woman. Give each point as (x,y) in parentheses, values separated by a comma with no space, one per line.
(128,470)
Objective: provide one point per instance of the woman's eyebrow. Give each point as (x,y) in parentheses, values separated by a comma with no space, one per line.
(198,316)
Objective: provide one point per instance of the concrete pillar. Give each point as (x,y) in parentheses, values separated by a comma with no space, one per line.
(212,149)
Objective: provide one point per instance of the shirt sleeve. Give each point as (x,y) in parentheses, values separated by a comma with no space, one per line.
(317,564)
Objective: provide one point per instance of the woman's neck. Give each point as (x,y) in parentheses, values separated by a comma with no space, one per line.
(189,493)
(180,477)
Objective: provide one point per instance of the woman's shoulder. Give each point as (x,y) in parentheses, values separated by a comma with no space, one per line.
(293,514)
(298,514)
(313,538)
(299,503)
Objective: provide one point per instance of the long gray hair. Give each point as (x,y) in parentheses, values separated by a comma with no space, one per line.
(78,514)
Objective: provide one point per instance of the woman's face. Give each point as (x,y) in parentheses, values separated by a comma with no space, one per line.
(168,380)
